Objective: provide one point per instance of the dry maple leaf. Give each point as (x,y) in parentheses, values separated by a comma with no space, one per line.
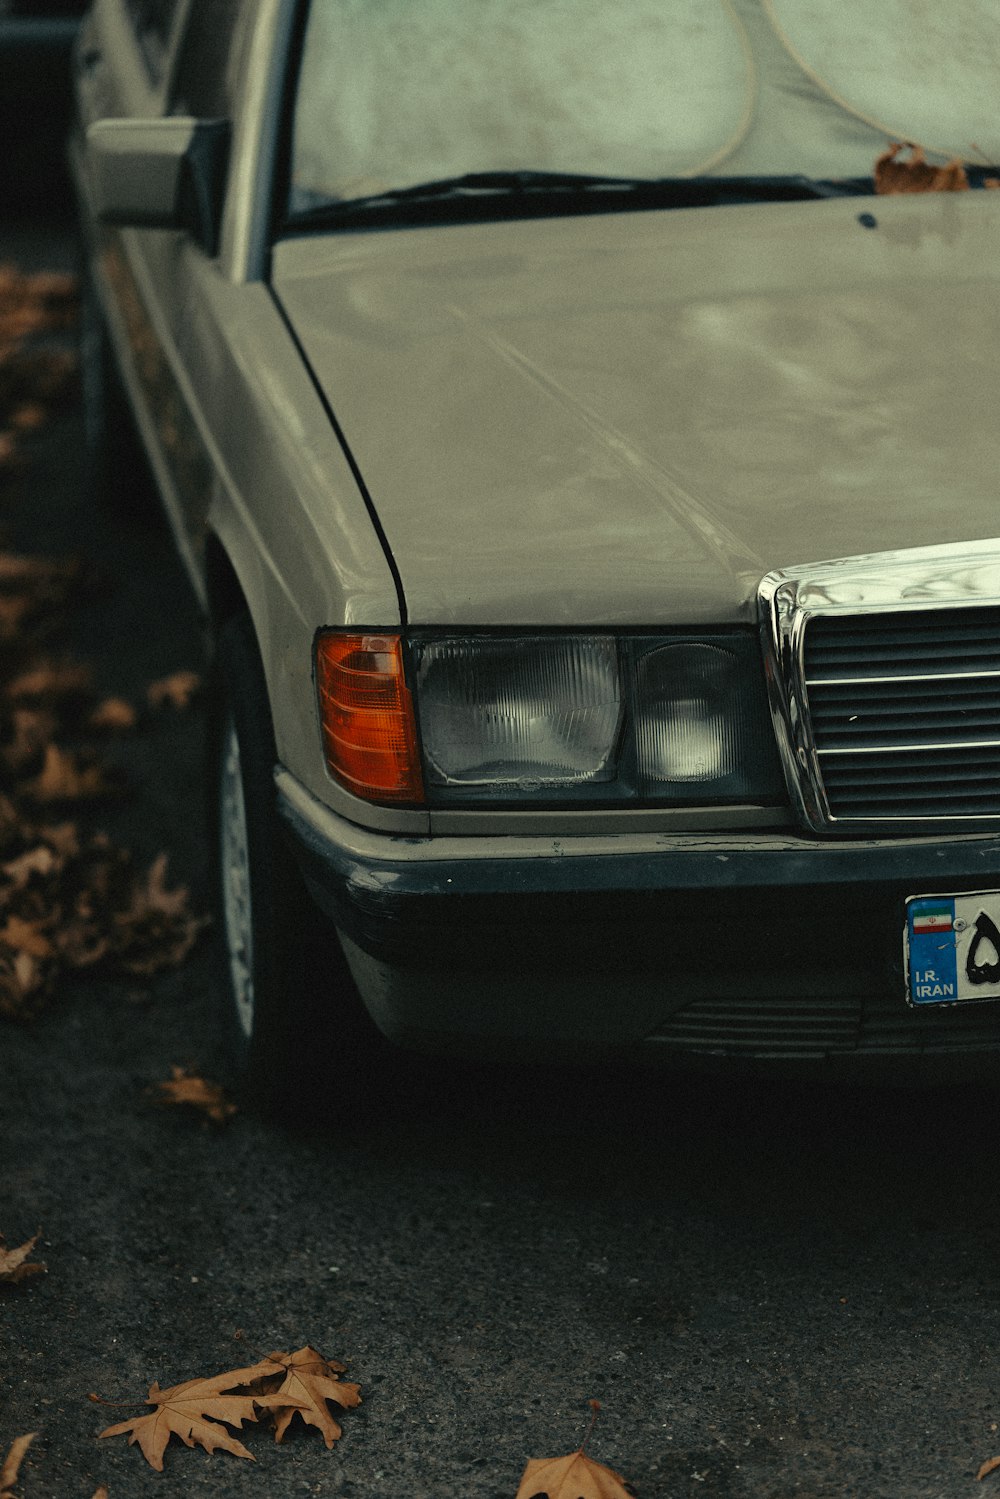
(309,1382)
(156,930)
(575,1476)
(40,860)
(915,174)
(187,1088)
(31,729)
(114,715)
(50,679)
(65,777)
(193,1411)
(178,689)
(12,1262)
(12,1464)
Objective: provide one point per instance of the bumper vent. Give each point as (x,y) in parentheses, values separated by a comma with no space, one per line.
(811,1026)
(905,712)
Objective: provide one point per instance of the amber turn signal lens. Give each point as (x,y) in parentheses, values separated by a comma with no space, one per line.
(366,711)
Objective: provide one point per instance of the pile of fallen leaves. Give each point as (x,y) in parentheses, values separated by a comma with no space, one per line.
(35,371)
(69,899)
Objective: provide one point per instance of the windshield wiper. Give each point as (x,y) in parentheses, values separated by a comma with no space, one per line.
(475,188)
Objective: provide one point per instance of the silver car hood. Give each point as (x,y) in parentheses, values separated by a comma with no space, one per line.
(629,419)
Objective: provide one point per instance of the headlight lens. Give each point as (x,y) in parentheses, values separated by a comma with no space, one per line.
(531,715)
(561,720)
(685,729)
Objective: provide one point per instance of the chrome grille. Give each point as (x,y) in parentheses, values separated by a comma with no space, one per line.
(905,712)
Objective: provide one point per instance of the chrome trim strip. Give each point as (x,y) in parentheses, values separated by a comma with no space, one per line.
(952,577)
(911,749)
(929,676)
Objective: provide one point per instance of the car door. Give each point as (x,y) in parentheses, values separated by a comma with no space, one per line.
(141,59)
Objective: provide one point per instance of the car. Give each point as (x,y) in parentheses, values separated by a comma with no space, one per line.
(590,486)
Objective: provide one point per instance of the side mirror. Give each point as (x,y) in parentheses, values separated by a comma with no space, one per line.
(160,174)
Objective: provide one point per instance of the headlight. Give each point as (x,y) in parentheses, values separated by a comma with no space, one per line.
(519,715)
(558,720)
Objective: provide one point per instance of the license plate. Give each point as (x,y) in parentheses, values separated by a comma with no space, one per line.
(951,946)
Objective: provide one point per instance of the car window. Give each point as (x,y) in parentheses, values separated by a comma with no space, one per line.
(396,94)
(203,78)
(152,20)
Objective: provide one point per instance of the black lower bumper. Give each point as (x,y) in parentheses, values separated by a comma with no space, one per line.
(777,947)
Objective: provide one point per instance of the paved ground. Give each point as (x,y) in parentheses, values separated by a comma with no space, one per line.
(773,1291)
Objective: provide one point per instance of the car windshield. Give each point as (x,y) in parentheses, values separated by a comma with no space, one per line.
(393,94)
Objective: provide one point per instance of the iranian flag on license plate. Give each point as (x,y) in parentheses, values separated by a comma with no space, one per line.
(933,916)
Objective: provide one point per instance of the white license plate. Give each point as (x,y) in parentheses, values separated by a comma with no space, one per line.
(951,946)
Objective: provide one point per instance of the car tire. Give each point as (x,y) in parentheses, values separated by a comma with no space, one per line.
(118,472)
(293,1025)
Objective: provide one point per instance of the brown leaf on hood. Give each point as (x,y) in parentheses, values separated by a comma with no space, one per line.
(195,1092)
(113,715)
(915,174)
(177,690)
(12,1463)
(67,776)
(989,1466)
(157,929)
(13,1266)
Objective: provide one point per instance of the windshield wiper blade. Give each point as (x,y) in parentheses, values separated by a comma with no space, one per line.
(666,191)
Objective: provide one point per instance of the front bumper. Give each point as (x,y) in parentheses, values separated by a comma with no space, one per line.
(763,946)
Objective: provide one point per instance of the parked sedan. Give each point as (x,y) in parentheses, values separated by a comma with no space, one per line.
(591,489)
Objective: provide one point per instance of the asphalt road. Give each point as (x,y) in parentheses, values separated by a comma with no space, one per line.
(773,1291)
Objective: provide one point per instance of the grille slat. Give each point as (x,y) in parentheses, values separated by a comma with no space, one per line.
(905,712)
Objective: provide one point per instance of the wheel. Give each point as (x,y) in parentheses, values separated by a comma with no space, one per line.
(292,1022)
(117,468)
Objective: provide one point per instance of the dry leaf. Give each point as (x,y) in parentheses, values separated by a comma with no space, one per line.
(64,776)
(12,1264)
(191,1411)
(101,1493)
(32,729)
(24,980)
(41,861)
(178,689)
(915,174)
(197,1093)
(575,1476)
(12,1464)
(157,929)
(114,715)
(310,1381)
(988,1467)
(26,936)
(50,679)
